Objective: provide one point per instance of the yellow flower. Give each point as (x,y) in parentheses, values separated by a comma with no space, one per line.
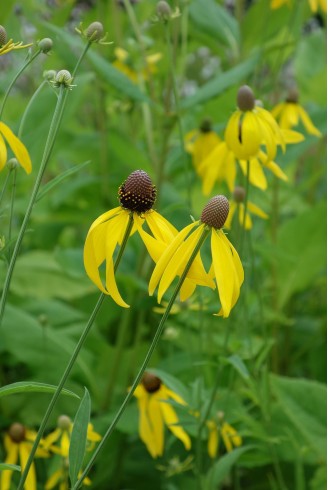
(200,143)
(61,477)
(155,412)
(17,147)
(251,127)
(137,196)
(62,435)
(226,265)
(237,204)
(124,65)
(314,4)
(290,112)
(18,443)
(7,46)
(229,435)
(219,165)
(256,174)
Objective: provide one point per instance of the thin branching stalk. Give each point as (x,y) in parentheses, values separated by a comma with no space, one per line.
(72,361)
(145,362)
(11,213)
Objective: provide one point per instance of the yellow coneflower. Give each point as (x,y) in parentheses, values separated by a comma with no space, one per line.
(17,147)
(229,435)
(155,412)
(7,46)
(200,143)
(124,65)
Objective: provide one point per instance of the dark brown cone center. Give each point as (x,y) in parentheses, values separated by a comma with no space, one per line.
(151,382)
(239,194)
(137,193)
(245,98)
(215,212)
(17,432)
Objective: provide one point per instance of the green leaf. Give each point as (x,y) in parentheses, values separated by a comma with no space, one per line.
(79,437)
(214,20)
(222,468)
(12,467)
(32,386)
(221,82)
(304,403)
(54,182)
(238,364)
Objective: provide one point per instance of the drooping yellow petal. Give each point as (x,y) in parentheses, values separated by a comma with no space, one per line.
(105,217)
(11,458)
(243,135)
(54,479)
(256,210)
(256,174)
(156,422)
(160,227)
(3,153)
(276,170)
(309,126)
(171,419)
(203,146)
(175,396)
(235,257)
(17,147)
(247,218)
(166,257)
(52,438)
(230,437)
(232,210)
(145,429)
(64,444)
(24,452)
(111,285)
(291,137)
(223,269)
(272,126)
(276,111)
(187,289)
(219,165)
(213,439)
(92,435)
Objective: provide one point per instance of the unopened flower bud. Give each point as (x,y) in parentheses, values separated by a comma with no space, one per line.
(95,31)
(17,432)
(215,212)
(239,194)
(292,95)
(64,422)
(137,193)
(206,125)
(49,75)
(151,382)
(45,45)
(63,77)
(12,163)
(245,98)
(163,11)
(3,36)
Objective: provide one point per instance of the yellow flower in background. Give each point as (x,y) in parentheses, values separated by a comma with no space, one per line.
(7,46)
(237,205)
(230,436)
(200,143)
(137,196)
(61,477)
(62,435)
(226,266)
(155,412)
(17,147)
(219,165)
(124,64)
(314,4)
(290,113)
(251,127)
(18,443)
(256,173)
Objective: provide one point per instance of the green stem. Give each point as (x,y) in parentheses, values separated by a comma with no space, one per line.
(243,230)
(14,80)
(145,362)
(87,46)
(4,187)
(178,111)
(72,361)
(56,120)
(12,202)
(32,99)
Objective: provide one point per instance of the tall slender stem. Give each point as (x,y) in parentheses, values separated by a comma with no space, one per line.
(72,360)
(146,360)
(55,124)
(12,202)
(14,80)
(4,187)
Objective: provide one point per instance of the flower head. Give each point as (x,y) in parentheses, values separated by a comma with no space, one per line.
(237,205)
(229,435)
(137,196)
(7,46)
(16,146)
(226,266)
(200,143)
(155,411)
(290,113)
(251,127)
(62,436)
(94,33)
(18,443)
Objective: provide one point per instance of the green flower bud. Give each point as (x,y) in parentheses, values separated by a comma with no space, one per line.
(63,77)
(95,31)
(49,75)
(64,422)
(12,163)
(163,11)
(45,45)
